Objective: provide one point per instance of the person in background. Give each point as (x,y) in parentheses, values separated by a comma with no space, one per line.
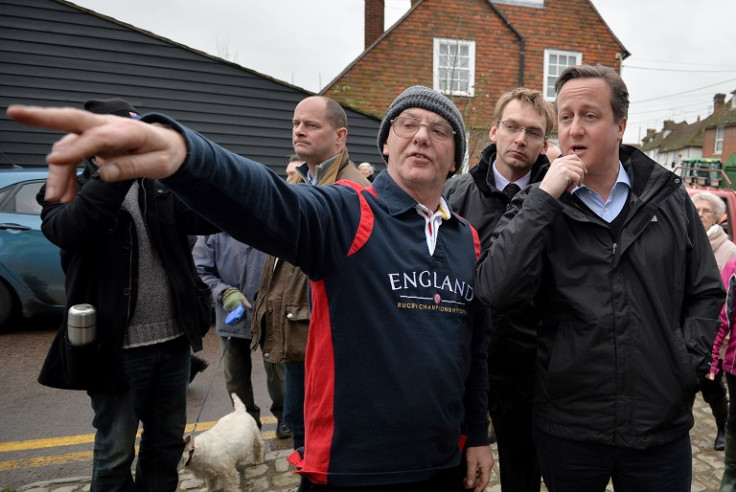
(609,248)
(521,121)
(710,210)
(368,170)
(727,363)
(232,270)
(553,151)
(294,162)
(125,250)
(281,313)
(403,375)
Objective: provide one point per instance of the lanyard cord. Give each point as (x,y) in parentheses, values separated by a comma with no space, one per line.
(199,415)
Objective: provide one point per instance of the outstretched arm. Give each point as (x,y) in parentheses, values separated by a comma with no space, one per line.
(125,148)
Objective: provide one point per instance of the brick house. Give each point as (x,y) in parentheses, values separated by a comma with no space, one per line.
(676,141)
(473,50)
(720,132)
(712,137)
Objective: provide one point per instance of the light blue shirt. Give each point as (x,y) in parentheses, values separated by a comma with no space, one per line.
(609,209)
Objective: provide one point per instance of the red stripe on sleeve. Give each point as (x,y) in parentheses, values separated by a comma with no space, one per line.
(319,390)
(365,228)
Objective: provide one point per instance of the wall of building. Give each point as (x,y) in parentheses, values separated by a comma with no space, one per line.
(57,54)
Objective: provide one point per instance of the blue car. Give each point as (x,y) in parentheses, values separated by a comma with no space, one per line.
(31,279)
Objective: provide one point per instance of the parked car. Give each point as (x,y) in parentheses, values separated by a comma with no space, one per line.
(31,279)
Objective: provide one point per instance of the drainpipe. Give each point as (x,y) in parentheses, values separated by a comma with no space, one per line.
(522,41)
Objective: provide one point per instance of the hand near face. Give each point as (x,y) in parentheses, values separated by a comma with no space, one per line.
(565,173)
(124,148)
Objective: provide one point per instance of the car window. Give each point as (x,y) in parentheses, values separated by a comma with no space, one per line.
(25,198)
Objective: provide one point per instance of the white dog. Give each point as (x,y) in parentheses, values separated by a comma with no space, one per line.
(215,454)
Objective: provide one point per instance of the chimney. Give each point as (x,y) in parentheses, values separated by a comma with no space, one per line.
(651,132)
(374,12)
(718,101)
(668,124)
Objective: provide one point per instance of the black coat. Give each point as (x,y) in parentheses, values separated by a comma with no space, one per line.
(99,254)
(627,322)
(474,195)
(513,346)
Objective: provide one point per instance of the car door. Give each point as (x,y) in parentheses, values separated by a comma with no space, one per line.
(29,262)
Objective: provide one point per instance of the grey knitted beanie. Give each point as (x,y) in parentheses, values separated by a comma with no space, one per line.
(419,96)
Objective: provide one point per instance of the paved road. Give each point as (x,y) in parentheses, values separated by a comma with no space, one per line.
(47,434)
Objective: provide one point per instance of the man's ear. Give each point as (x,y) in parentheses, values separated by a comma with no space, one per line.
(621,129)
(492,133)
(342,135)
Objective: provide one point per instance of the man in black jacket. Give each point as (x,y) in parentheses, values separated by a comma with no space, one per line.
(125,250)
(522,120)
(610,249)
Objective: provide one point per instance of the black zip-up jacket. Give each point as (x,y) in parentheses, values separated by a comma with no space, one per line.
(513,346)
(99,254)
(627,322)
(474,195)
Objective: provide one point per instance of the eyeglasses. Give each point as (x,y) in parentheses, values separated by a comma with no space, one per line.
(705,211)
(407,127)
(531,133)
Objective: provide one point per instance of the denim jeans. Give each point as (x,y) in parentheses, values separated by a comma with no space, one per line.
(294,401)
(158,376)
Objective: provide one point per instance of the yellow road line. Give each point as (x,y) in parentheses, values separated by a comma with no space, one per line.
(53,442)
(79,456)
(45,460)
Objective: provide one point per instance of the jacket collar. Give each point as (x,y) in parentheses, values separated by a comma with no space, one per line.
(483,172)
(397,200)
(328,170)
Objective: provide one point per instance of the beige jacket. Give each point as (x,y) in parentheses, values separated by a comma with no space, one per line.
(723,248)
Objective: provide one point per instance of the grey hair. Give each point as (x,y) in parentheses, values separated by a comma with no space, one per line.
(719,208)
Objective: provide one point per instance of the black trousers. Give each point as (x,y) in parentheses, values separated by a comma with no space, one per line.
(517,454)
(574,466)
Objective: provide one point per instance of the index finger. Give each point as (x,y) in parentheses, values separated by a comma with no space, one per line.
(70,149)
(70,120)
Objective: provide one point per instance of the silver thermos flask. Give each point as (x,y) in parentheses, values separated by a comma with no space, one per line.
(82,324)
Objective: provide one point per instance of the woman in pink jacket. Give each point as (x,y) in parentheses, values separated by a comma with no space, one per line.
(728,321)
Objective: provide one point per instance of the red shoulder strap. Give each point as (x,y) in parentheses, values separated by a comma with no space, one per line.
(365,227)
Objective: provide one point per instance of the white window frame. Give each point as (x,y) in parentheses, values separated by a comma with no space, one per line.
(438,86)
(550,76)
(718,144)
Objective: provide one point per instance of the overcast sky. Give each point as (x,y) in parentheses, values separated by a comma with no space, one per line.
(682,51)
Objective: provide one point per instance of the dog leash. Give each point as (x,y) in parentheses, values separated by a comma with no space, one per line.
(212,380)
